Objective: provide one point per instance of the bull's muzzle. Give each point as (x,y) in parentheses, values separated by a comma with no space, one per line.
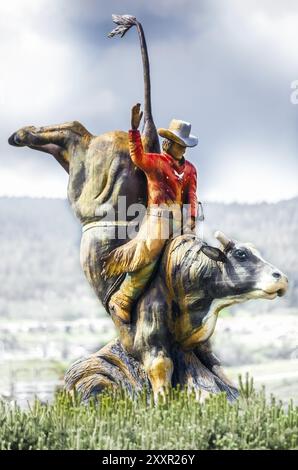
(279,285)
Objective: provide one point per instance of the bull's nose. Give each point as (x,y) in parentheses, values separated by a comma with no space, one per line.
(281,277)
(276,275)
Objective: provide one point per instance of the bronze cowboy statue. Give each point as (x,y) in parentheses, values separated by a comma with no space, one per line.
(164,293)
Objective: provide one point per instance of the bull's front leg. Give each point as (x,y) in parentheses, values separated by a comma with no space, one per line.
(159,368)
(153,341)
(206,355)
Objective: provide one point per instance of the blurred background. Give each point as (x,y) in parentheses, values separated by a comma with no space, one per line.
(226,67)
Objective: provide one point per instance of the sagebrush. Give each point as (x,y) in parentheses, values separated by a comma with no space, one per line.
(115,421)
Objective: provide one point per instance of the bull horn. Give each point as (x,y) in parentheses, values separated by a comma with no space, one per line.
(222,238)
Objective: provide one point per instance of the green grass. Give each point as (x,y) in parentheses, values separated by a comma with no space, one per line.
(117,422)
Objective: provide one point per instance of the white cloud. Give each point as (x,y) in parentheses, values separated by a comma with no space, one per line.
(281,32)
(22,179)
(253,174)
(35,67)
(229,74)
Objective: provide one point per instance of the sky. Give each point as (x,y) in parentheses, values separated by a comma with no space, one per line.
(225,66)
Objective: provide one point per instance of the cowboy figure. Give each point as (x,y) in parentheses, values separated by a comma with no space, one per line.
(171,183)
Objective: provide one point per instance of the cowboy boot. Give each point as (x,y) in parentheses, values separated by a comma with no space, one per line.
(120,305)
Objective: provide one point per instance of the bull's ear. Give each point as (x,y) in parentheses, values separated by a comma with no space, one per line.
(214,253)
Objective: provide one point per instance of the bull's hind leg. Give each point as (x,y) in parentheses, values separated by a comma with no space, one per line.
(60,134)
(55,140)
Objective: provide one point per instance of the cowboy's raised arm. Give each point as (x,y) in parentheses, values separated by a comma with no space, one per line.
(137,154)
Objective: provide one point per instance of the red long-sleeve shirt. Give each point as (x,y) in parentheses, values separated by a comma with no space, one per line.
(168,180)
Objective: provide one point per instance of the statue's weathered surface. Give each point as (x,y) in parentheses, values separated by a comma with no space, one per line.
(171,187)
(165,339)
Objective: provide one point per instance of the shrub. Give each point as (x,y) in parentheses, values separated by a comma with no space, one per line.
(114,421)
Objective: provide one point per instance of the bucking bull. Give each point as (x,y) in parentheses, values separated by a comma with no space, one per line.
(167,341)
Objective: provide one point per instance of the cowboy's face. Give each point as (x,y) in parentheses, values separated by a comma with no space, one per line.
(177,151)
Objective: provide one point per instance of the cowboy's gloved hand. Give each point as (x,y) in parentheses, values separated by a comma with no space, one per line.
(193,223)
(136,116)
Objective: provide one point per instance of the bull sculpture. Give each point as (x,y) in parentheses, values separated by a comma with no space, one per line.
(167,341)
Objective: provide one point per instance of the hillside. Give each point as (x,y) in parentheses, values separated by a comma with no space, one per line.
(40,273)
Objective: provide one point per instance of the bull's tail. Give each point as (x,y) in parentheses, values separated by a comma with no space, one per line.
(124,23)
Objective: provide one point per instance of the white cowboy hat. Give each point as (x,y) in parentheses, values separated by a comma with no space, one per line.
(179,132)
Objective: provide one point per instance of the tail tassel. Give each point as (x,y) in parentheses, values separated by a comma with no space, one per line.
(124,22)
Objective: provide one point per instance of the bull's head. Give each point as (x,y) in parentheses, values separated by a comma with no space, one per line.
(244,271)
(202,280)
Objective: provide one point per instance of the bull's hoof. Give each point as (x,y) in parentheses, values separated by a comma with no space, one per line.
(15,140)
(22,137)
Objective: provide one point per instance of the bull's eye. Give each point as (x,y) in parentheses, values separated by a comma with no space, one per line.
(240,254)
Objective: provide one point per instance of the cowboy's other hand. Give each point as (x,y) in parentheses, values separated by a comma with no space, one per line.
(136,116)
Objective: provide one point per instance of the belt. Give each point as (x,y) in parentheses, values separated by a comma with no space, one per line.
(164,212)
(107,223)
